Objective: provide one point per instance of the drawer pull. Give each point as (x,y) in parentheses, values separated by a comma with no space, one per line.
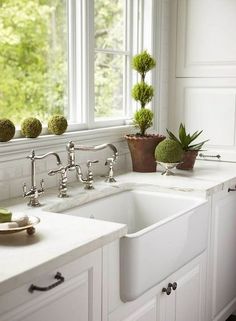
(232,189)
(209,156)
(58,277)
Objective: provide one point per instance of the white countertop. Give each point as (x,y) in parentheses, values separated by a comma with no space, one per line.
(60,238)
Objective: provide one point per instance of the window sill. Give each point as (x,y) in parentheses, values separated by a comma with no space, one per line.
(20,147)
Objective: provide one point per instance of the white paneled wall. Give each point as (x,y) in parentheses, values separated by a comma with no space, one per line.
(203,73)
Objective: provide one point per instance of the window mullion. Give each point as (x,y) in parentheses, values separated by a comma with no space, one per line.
(89,62)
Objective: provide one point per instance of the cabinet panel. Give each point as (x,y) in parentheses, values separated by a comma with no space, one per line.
(205,41)
(208,104)
(146,313)
(188,296)
(224,254)
(78,298)
(70,303)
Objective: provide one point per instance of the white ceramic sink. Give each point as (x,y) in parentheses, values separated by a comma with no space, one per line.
(165,231)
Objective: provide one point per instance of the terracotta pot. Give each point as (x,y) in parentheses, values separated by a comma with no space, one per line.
(188,160)
(142,150)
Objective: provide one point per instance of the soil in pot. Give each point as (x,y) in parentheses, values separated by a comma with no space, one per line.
(188,160)
(142,150)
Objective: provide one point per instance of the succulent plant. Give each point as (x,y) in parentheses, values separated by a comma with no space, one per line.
(31,127)
(57,124)
(7,130)
(168,151)
(142,92)
(185,140)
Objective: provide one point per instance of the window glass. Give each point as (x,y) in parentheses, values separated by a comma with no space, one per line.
(110,58)
(109,21)
(33,58)
(108,85)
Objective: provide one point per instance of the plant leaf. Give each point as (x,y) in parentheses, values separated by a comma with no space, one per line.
(172,136)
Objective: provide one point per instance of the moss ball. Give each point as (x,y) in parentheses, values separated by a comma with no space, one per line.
(31,127)
(57,124)
(7,130)
(168,151)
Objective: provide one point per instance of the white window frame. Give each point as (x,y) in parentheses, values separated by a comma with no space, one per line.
(81,75)
(81,78)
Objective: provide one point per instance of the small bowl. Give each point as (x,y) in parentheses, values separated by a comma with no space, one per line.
(168,167)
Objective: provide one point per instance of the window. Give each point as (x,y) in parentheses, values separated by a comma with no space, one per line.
(71,57)
(33,58)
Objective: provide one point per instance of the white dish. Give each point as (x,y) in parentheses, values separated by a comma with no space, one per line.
(33,220)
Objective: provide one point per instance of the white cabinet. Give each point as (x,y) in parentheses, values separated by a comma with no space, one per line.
(222,268)
(185,303)
(78,298)
(208,104)
(206,45)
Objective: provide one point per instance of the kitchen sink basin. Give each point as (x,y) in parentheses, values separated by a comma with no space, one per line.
(165,231)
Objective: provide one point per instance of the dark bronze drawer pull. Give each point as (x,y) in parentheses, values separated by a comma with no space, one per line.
(209,156)
(58,277)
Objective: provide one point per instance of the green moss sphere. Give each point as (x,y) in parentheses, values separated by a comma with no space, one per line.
(168,151)
(7,130)
(31,127)
(57,124)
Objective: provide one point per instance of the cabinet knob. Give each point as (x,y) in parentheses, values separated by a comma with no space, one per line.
(173,285)
(167,290)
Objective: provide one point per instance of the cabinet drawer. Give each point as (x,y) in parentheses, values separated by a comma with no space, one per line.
(74,299)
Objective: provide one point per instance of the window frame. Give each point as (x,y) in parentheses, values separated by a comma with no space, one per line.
(81,35)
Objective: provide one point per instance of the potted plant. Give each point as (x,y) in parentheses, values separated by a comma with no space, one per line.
(190,149)
(142,145)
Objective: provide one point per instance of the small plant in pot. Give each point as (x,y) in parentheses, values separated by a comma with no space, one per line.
(142,145)
(190,148)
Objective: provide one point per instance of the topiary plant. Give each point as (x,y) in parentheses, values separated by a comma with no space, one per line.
(142,92)
(7,130)
(31,127)
(168,151)
(57,124)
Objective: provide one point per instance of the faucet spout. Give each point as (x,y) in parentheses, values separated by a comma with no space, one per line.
(33,157)
(99,147)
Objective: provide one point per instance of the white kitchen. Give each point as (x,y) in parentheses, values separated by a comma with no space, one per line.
(117,160)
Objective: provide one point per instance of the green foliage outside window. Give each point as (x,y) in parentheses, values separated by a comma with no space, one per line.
(33,58)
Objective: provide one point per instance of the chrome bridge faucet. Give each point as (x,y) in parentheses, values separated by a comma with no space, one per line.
(34,193)
(88,181)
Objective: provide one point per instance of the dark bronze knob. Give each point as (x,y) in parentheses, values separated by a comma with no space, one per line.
(167,290)
(173,285)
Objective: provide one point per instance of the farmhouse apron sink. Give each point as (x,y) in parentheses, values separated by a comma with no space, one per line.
(165,231)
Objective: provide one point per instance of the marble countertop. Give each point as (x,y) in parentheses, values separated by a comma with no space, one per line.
(60,238)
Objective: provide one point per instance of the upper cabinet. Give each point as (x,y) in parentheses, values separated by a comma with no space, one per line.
(206,43)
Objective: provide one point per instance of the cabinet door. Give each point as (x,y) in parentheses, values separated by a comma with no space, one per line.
(187,302)
(78,298)
(206,44)
(208,104)
(223,254)
(189,296)
(148,312)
